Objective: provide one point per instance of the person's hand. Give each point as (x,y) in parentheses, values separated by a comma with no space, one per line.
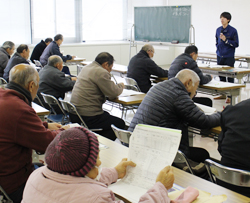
(211,76)
(65,127)
(223,37)
(54,126)
(74,78)
(122,166)
(73,57)
(166,177)
(122,84)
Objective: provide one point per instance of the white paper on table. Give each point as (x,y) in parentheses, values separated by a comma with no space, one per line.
(151,148)
(219,84)
(126,93)
(218,66)
(206,109)
(72,125)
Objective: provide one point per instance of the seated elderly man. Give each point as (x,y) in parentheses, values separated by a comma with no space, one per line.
(169,104)
(53,81)
(39,48)
(21,56)
(234,141)
(54,49)
(21,130)
(187,60)
(92,87)
(141,66)
(6,51)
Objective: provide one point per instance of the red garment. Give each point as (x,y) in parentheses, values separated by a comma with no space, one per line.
(21,130)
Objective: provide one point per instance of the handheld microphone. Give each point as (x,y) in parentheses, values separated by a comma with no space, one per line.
(222,30)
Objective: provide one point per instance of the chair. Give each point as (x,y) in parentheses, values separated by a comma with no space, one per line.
(181,158)
(70,108)
(122,135)
(132,82)
(38,63)
(3,81)
(229,175)
(4,198)
(39,100)
(79,68)
(53,116)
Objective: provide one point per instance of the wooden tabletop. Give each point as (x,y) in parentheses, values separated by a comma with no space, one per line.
(113,155)
(214,68)
(76,60)
(216,130)
(214,56)
(130,100)
(120,68)
(40,111)
(231,87)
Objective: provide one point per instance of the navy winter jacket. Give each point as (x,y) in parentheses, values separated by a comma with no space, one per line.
(185,61)
(226,49)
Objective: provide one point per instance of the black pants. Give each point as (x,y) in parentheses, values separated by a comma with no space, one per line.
(203,100)
(103,121)
(226,61)
(198,154)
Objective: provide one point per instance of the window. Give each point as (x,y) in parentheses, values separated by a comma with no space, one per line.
(15,21)
(29,21)
(51,17)
(103,20)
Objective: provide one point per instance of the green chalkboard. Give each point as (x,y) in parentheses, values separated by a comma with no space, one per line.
(162,24)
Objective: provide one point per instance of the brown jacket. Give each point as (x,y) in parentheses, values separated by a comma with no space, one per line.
(92,87)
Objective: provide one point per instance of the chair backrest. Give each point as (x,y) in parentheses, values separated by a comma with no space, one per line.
(38,63)
(181,158)
(79,68)
(3,81)
(51,100)
(122,135)
(132,82)
(4,198)
(230,175)
(130,87)
(70,108)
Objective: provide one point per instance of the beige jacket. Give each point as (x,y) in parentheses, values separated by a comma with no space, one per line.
(92,87)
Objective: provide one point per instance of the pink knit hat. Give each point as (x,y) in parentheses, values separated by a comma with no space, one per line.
(73,152)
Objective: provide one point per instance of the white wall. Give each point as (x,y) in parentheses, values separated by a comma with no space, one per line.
(120,50)
(206,19)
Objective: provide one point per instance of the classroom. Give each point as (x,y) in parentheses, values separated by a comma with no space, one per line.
(126,100)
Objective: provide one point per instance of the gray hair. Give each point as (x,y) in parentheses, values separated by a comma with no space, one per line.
(54,59)
(24,76)
(8,44)
(187,74)
(147,47)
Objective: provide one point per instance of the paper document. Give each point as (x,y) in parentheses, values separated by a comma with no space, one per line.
(151,148)
(203,65)
(206,109)
(218,84)
(127,93)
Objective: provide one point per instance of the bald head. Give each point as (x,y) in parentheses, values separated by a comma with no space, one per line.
(25,76)
(54,60)
(149,49)
(22,74)
(190,80)
(186,74)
